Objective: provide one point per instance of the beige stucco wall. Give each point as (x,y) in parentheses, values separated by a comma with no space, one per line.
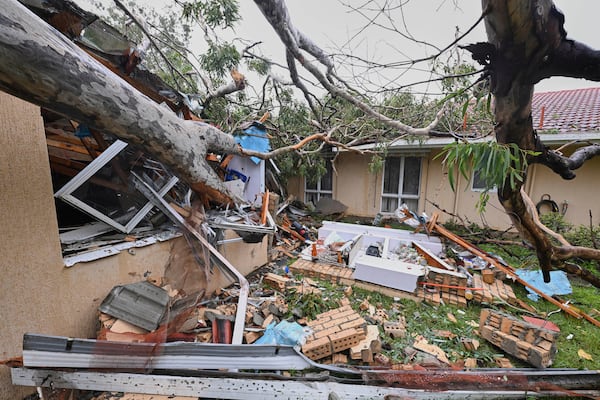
(355,187)
(462,202)
(37,293)
(581,194)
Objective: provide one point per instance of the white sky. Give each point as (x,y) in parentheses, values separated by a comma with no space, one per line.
(330,24)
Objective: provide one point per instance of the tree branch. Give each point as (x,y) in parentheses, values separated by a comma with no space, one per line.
(276,13)
(324,137)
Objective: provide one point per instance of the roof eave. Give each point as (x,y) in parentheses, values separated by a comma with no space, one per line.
(437,143)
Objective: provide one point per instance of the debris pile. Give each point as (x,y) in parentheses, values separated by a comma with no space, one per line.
(322,308)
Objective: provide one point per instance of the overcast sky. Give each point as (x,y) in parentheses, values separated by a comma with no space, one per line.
(331,24)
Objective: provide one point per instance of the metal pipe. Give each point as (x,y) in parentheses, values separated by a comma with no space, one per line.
(240,316)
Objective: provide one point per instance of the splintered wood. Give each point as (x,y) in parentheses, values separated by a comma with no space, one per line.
(334,331)
(518,338)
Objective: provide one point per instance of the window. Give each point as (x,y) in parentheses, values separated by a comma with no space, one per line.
(478,183)
(322,188)
(401,182)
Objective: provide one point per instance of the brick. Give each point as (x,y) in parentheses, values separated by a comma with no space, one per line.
(317,349)
(345,339)
(275,281)
(339,358)
(396,329)
(251,337)
(327,332)
(353,324)
(334,322)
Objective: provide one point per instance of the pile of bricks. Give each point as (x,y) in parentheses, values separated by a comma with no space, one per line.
(326,272)
(497,289)
(334,331)
(275,281)
(525,341)
(449,288)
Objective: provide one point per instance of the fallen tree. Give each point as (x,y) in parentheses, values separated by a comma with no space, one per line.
(527,43)
(44,67)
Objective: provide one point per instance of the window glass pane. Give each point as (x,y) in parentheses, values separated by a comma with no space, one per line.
(412,175)
(309,185)
(391,175)
(327,179)
(389,204)
(412,204)
(311,198)
(478,182)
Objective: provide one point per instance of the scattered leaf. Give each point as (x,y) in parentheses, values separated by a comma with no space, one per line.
(582,354)
(452,318)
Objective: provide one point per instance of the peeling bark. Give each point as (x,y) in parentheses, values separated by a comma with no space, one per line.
(43,67)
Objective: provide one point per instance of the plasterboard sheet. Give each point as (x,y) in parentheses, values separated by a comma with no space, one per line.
(389,273)
(117,248)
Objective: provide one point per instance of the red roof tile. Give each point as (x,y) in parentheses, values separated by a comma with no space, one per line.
(575,110)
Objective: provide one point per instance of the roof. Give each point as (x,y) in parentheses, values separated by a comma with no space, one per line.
(567,115)
(572,111)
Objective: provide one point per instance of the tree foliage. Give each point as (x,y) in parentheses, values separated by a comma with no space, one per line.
(496,165)
(523,48)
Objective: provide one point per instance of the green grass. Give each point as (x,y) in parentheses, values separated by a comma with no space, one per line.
(424,319)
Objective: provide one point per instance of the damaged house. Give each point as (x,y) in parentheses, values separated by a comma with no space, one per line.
(103,240)
(76,218)
(413,173)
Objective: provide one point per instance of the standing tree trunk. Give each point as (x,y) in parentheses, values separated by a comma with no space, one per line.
(529,44)
(43,67)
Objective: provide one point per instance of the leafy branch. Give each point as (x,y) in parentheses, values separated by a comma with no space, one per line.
(496,165)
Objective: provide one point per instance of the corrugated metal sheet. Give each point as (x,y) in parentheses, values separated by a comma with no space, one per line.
(141,304)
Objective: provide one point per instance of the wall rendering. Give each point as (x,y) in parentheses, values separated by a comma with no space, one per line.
(37,293)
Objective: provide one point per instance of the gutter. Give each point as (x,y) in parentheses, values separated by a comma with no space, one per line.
(438,143)
(503,384)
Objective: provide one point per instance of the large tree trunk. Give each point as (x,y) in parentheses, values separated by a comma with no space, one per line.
(41,66)
(529,44)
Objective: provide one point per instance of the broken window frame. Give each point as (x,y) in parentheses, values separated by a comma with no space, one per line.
(399,195)
(313,195)
(66,192)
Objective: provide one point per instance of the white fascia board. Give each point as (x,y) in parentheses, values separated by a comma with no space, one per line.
(437,142)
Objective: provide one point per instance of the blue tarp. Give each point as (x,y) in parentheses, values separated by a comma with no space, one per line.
(255,139)
(559,283)
(284,333)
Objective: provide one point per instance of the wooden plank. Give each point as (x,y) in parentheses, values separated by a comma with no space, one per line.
(67,146)
(510,272)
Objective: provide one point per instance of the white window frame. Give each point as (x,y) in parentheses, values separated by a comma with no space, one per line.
(66,192)
(318,191)
(400,196)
